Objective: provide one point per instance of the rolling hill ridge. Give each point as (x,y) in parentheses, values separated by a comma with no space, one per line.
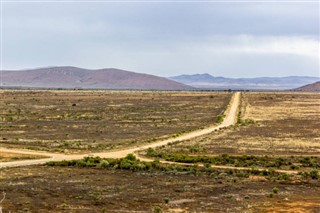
(207,81)
(73,77)
(315,87)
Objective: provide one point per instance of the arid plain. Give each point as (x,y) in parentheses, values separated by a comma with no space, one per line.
(267,161)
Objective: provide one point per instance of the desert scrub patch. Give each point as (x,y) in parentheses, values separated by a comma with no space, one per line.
(107,117)
(131,163)
(313,174)
(237,160)
(283,126)
(220,118)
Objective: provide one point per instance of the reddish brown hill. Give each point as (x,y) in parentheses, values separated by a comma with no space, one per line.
(73,77)
(315,87)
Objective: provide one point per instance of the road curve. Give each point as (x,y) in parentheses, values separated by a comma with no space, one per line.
(230,119)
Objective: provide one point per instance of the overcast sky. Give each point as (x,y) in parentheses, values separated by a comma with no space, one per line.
(233,39)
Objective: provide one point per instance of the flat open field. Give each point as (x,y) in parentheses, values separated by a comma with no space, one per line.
(271,124)
(276,141)
(82,121)
(66,189)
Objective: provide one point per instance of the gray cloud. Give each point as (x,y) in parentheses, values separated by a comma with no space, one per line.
(230,39)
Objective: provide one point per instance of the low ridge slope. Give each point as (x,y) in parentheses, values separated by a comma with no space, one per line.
(315,87)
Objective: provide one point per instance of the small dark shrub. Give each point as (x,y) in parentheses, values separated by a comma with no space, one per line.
(166,200)
(314,174)
(275,190)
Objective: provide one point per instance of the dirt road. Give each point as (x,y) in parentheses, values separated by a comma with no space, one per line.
(230,119)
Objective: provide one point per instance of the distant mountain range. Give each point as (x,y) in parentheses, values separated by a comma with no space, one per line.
(73,77)
(315,87)
(207,81)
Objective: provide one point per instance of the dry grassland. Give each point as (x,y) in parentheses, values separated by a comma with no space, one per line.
(284,124)
(76,190)
(82,121)
(277,129)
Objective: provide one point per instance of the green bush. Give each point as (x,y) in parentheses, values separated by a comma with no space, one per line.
(194,148)
(130,157)
(157,209)
(103,164)
(130,162)
(314,174)
(166,200)
(220,118)
(152,153)
(275,190)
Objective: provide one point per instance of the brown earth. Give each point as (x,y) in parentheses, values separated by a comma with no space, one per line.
(86,121)
(61,189)
(11,156)
(230,118)
(284,124)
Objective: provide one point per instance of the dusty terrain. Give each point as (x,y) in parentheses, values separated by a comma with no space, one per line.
(63,189)
(10,156)
(229,118)
(86,121)
(274,131)
(82,186)
(277,124)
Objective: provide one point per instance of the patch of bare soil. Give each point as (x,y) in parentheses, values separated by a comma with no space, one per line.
(298,203)
(8,156)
